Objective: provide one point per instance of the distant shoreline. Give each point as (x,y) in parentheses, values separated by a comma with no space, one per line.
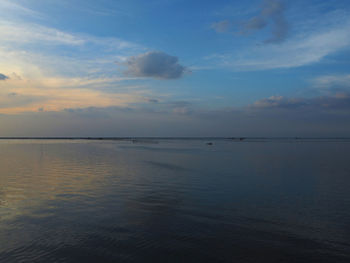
(180,138)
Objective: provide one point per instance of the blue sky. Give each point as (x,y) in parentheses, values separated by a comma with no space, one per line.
(174,68)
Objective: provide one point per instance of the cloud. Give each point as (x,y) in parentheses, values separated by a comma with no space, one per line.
(303,49)
(34,50)
(32,33)
(181,107)
(56,69)
(21,34)
(3,77)
(314,38)
(221,26)
(155,64)
(272,11)
(279,102)
(12,9)
(255,23)
(279,116)
(152,100)
(335,102)
(332,82)
(55,94)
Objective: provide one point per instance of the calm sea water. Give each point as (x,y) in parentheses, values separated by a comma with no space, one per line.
(174,201)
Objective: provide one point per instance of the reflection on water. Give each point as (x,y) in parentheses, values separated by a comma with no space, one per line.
(175,201)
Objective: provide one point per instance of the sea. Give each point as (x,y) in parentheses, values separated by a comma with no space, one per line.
(175,200)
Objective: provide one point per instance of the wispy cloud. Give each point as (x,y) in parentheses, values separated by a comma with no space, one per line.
(32,49)
(23,34)
(335,102)
(33,33)
(332,82)
(30,95)
(11,8)
(306,34)
(303,49)
(221,26)
(47,69)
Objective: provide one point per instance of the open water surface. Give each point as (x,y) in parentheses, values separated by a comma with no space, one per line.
(175,200)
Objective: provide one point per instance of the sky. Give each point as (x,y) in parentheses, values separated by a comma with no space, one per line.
(175,68)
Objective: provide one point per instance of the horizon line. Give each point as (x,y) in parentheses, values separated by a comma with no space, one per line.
(161,137)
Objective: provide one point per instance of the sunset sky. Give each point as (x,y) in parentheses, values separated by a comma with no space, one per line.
(174,68)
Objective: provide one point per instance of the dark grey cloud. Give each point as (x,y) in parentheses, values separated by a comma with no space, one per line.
(272,12)
(3,77)
(155,64)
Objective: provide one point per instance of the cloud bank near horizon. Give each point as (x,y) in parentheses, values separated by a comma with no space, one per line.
(327,115)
